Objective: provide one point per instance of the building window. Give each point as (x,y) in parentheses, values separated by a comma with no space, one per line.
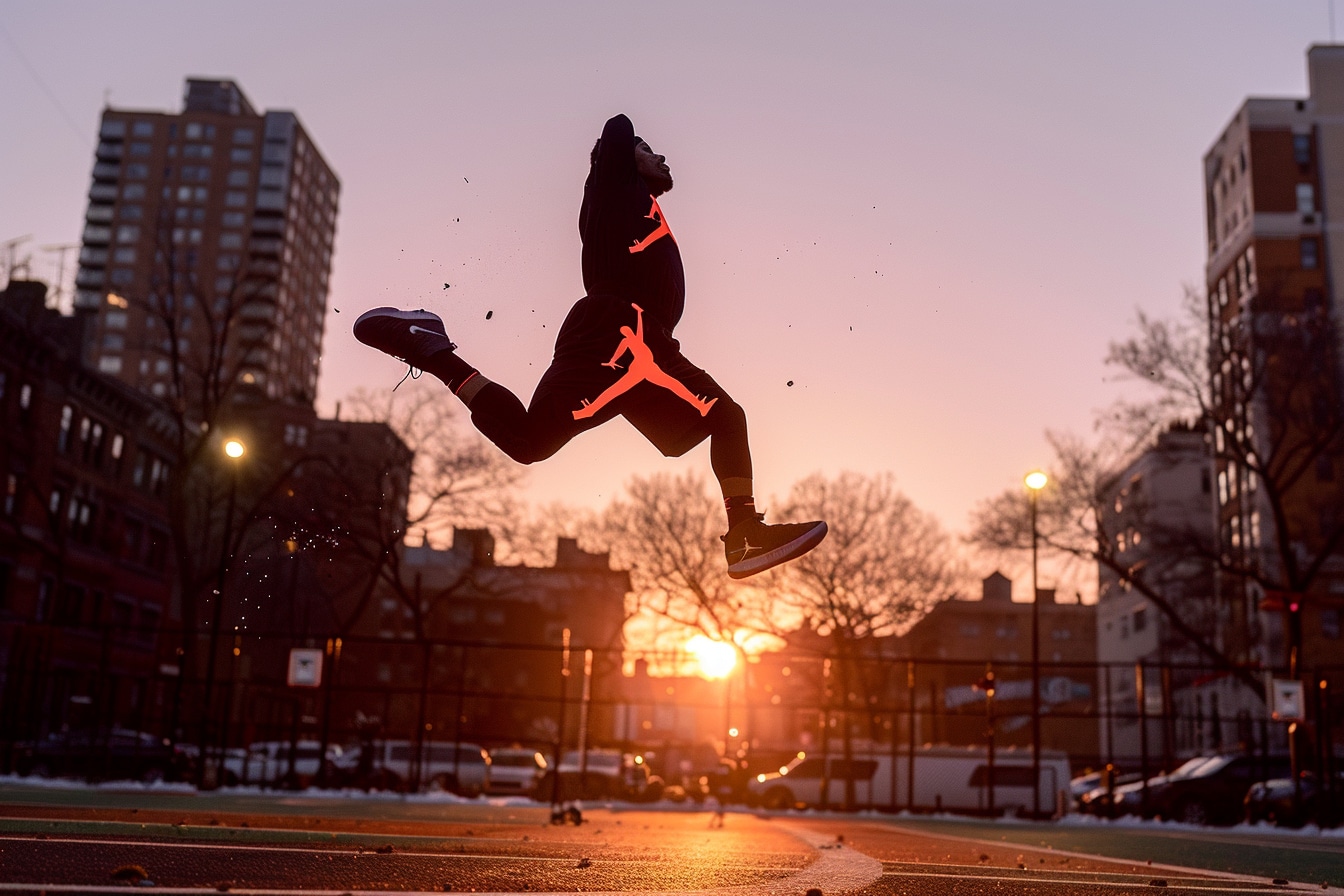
(43,607)
(140,148)
(1310,250)
(1306,199)
(1329,622)
(67,421)
(1302,149)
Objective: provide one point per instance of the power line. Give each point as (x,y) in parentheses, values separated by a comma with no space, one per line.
(32,71)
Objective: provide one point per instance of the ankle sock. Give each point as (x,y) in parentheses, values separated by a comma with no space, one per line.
(449,367)
(740,508)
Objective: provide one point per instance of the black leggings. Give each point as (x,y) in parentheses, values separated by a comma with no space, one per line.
(533,434)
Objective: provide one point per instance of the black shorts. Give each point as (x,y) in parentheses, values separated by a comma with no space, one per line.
(653,385)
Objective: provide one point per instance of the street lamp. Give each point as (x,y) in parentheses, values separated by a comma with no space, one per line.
(233,449)
(1035,481)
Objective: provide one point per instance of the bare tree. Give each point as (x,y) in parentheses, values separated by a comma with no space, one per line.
(1265,393)
(458,479)
(666,531)
(883,565)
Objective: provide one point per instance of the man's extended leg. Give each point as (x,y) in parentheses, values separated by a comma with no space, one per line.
(750,545)
(419,339)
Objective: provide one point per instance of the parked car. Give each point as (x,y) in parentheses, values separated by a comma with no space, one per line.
(387,765)
(1204,790)
(945,778)
(603,774)
(1093,791)
(514,770)
(113,755)
(1285,802)
(268,763)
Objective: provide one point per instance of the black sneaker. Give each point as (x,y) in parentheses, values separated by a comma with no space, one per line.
(410,336)
(751,546)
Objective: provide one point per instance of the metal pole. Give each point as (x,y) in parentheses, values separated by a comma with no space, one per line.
(1035,668)
(556,816)
(910,758)
(217,620)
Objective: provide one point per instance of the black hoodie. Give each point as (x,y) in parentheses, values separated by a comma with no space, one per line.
(628,250)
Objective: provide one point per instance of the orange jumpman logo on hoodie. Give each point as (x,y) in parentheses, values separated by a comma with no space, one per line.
(643,368)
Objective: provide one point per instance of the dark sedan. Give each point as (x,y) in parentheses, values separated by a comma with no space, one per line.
(115,755)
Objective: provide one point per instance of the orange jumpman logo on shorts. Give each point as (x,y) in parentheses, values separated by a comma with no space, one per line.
(643,368)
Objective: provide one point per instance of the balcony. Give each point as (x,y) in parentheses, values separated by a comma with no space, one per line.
(106,171)
(257,310)
(89,255)
(88,299)
(99,214)
(102,192)
(93,233)
(90,278)
(268,224)
(265,245)
(109,151)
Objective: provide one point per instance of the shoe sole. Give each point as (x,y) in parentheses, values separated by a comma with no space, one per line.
(782,554)
(399,315)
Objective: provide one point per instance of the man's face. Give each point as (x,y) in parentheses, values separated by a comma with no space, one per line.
(653,168)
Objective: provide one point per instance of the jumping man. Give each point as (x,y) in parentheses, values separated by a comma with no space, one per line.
(632,271)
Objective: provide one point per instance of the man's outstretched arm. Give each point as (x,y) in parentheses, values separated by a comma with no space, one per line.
(616,152)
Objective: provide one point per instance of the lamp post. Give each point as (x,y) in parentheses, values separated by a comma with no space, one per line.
(233,449)
(1035,481)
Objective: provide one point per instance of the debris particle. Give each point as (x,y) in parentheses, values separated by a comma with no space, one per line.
(789,383)
(385,849)
(489,314)
(1157,882)
(132,874)
(1280,882)
(445,286)
(815,891)
(465,180)
(984,857)
(584,862)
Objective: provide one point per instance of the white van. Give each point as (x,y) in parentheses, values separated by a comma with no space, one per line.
(268,763)
(952,779)
(463,768)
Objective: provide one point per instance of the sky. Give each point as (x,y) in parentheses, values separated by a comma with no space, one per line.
(910,230)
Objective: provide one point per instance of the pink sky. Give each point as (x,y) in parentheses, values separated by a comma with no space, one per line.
(931,218)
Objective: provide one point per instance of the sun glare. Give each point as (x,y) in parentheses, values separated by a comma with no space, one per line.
(716,658)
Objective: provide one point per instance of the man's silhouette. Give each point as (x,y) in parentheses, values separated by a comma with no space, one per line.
(630,260)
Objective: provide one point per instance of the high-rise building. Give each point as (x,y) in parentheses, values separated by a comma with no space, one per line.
(207,249)
(1274,195)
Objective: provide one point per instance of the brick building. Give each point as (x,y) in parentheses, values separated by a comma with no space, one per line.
(85,577)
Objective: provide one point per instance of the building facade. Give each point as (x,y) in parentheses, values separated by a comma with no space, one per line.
(85,564)
(207,248)
(1274,194)
(477,651)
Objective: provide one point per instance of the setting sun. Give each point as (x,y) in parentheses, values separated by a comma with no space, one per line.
(716,658)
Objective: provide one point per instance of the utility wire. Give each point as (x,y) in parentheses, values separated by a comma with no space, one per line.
(82,133)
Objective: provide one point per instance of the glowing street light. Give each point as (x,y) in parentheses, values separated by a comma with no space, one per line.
(1035,481)
(234,448)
